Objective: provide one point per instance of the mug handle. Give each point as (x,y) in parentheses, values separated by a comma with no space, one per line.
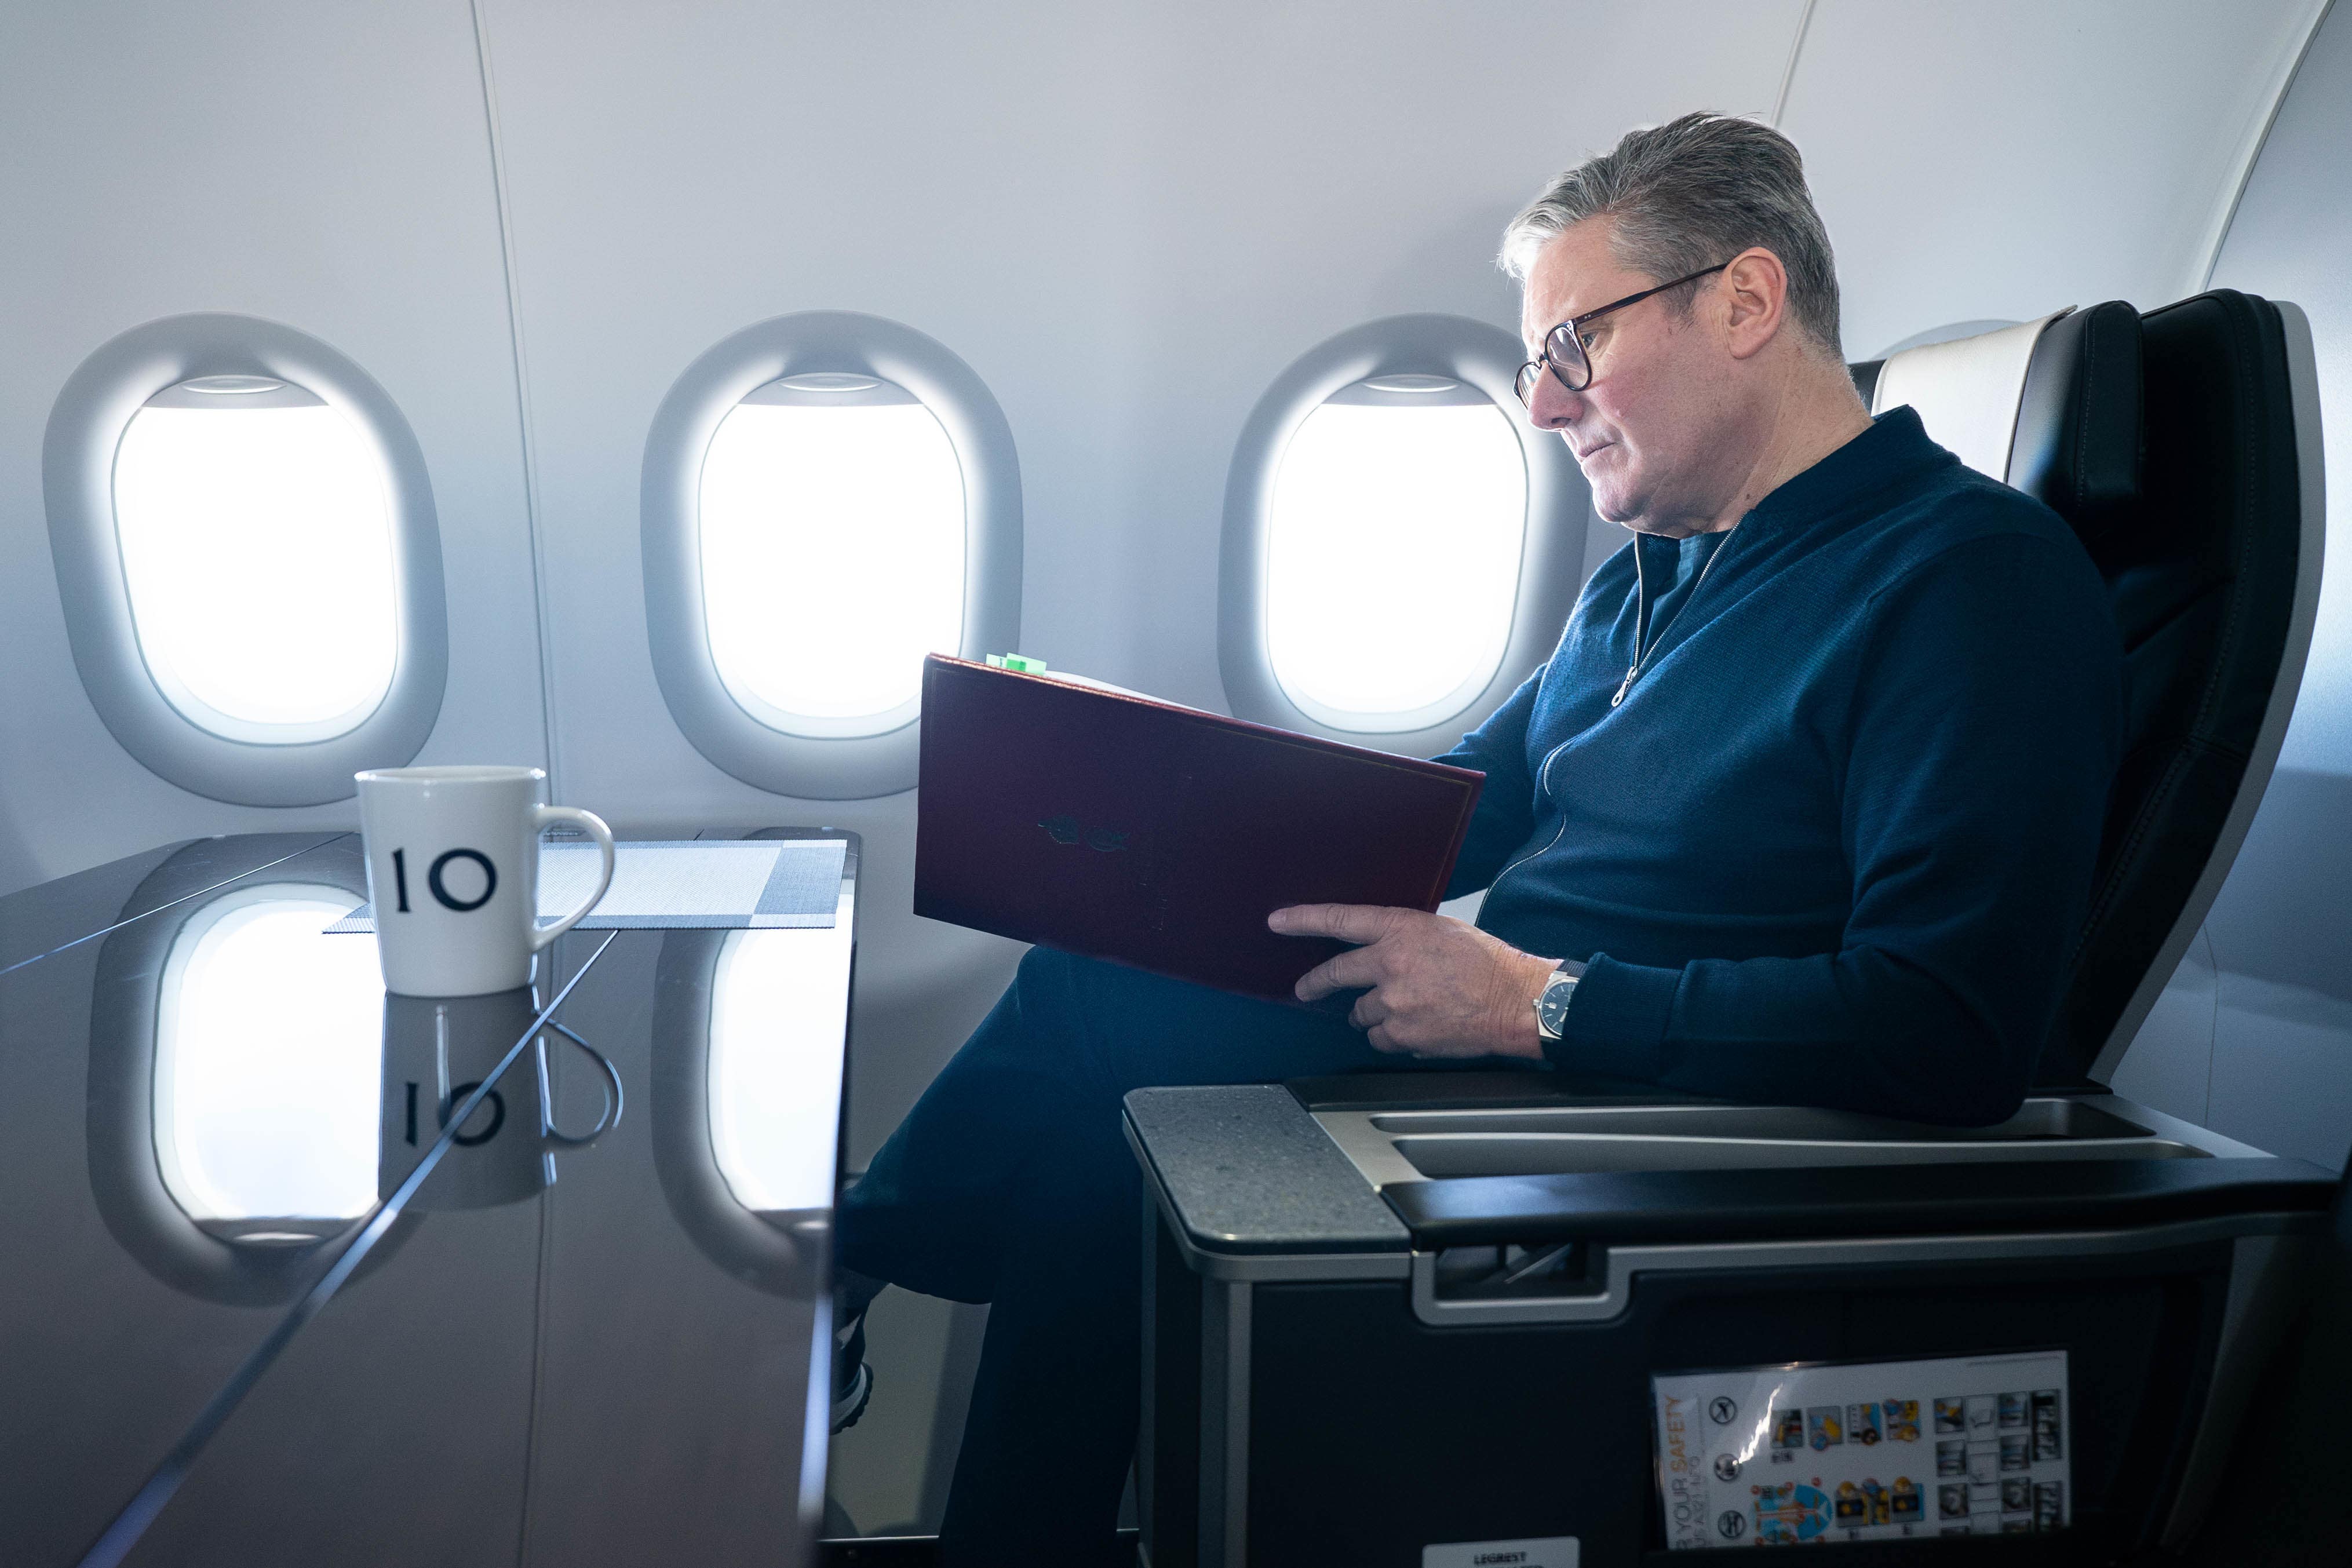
(543,817)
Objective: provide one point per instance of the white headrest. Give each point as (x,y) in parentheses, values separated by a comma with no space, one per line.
(1966,391)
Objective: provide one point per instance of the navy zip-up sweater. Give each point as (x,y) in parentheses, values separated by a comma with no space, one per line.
(1835,845)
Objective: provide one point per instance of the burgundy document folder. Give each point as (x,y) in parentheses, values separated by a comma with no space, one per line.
(1117,827)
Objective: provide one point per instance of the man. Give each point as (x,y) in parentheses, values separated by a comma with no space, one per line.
(1804,808)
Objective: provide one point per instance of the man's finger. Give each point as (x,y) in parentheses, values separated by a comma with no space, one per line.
(1369,1013)
(1349,922)
(1354,971)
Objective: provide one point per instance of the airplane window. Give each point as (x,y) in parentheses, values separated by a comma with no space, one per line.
(826,498)
(1398,518)
(777,1005)
(267,1059)
(832,541)
(1401,544)
(247,557)
(258,553)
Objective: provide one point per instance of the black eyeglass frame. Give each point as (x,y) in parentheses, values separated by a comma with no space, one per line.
(1523,382)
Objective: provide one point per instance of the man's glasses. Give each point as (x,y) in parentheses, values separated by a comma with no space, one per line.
(1563,346)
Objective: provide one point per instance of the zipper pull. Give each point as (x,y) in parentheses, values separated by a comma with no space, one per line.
(1625,685)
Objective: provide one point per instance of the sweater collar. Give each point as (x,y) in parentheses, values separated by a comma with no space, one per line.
(1895,447)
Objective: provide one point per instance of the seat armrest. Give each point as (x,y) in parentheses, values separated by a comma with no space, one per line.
(1847,1200)
(1241,1170)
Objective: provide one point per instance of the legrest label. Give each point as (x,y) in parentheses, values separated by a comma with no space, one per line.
(1551,1552)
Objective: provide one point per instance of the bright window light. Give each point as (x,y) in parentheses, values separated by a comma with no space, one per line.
(1394,558)
(268,1060)
(779,1012)
(832,556)
(257,549)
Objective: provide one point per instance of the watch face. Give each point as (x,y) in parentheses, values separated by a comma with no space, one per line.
(1551,1011)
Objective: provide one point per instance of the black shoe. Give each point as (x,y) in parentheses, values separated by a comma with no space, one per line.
(853,1380)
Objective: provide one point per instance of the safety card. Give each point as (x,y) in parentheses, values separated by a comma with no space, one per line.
(1865,1451)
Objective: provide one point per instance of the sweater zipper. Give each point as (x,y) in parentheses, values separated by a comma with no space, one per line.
(1543,774)
(1543,783)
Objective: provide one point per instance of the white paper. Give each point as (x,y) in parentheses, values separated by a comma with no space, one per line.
(706,883)
(1069,678)
(1865,1451)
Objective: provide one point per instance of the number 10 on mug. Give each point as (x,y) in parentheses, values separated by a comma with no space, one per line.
(473,928)
(433,880)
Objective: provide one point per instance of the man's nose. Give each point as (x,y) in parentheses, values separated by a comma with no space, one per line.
(1553,406)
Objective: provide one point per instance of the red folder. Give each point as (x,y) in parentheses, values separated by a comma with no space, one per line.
(1116,826)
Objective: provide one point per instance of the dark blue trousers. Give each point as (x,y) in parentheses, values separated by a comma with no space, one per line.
(1011,1182)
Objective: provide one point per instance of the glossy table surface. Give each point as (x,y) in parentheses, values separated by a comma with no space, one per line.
(548,1349)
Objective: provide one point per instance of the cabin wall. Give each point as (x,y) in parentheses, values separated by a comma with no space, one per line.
(321,166)
(1997,160)
(2254,1037)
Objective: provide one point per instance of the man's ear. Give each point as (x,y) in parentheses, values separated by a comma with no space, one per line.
(1755,301)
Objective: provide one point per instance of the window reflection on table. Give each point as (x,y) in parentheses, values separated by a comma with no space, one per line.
(779,1006)
(268,1056)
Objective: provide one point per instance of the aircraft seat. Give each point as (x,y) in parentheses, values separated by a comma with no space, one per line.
(1543,1317)
(2168,443)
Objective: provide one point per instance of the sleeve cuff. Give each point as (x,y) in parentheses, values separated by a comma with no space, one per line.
(1617,1024)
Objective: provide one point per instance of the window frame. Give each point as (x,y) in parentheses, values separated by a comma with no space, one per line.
(817,767)
(1483,357)
(93,411)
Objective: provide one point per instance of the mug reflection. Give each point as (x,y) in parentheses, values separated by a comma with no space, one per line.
(438,1054)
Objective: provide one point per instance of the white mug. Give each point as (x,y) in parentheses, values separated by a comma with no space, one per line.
(453,875)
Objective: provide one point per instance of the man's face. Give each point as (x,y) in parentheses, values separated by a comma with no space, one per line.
(1641,430)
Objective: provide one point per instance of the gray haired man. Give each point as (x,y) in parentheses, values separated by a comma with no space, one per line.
(1804,807)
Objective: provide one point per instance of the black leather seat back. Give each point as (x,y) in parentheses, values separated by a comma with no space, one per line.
(2202,568)
(2081,441)
(2168,443)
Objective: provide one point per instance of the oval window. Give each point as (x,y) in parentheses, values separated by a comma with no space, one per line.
(257,552)
(832,545)
(778,1003)
(268,1058)
(1393,538)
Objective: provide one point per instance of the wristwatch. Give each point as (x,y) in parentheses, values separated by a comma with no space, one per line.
(1551,1004)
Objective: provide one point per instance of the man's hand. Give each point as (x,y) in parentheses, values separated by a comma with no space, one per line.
(1437,986)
